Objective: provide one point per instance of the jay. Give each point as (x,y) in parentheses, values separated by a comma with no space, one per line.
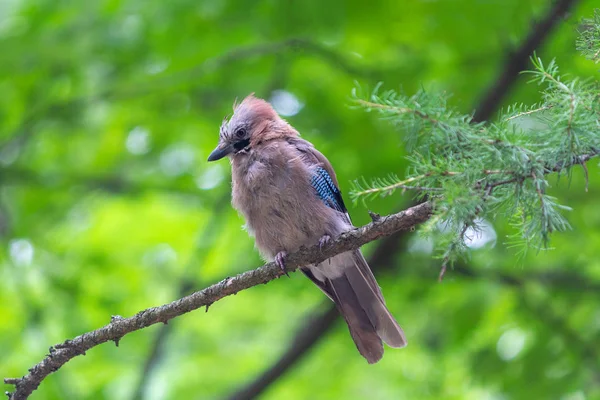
(288,194)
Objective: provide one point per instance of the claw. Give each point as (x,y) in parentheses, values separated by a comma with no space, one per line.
(280,261)
(323,241)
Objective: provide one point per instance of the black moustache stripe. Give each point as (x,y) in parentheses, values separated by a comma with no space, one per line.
(242,144)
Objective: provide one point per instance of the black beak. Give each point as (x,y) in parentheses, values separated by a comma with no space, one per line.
(220,152)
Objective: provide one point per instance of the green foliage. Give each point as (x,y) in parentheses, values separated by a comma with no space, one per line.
(589,40)
(481,170)
(108,110)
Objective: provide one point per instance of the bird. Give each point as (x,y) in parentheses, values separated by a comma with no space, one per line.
(288,194)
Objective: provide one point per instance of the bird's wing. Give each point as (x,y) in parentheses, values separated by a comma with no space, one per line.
(325,183)
(323,180)
(355,292)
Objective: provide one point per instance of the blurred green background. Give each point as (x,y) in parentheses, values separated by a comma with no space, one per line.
(108,111)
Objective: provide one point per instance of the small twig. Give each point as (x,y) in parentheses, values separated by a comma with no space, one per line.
(487,192)
(540,193)
(398,185)
(402,185)
(400,110)
(374,216)
(596,56)
(587,176)
(577,160)
(504,182)
(418,188)
(522,114)
(538,189)
(443,269)
(452,246)
(570,134)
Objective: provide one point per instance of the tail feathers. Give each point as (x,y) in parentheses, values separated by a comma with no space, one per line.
(363,267)
(349,282)
(362,331)
(372,303)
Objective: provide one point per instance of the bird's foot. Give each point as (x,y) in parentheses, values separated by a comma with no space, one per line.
(280,261)
(323,241)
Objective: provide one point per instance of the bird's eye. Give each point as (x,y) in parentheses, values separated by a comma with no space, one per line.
(240,132)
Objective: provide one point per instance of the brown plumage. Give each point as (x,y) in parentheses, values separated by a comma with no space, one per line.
(288,194)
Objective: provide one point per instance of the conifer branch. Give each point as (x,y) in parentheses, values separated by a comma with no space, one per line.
(588,42)
(315,329)
(473,169)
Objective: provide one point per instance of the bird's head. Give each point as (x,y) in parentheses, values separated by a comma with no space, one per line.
(253,121)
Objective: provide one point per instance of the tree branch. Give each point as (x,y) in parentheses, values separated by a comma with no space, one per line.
(517,60)
(110,183)
(191,77)
(558,279)
(315,328)
(187,282)
(157,348)
(61,353)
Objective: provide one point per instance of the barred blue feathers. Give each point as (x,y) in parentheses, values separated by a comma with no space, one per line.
(327,190)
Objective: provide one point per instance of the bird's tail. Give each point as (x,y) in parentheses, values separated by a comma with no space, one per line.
(349,282)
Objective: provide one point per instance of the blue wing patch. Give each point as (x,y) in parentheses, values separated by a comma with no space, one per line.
(327,191)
